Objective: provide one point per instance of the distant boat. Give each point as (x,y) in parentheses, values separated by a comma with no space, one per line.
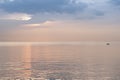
(107,43)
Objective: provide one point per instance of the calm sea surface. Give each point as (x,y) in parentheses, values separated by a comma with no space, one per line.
(60,62)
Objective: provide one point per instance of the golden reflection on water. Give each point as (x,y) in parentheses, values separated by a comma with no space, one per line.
(27,61)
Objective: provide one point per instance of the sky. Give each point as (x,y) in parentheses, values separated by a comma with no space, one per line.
(59,20)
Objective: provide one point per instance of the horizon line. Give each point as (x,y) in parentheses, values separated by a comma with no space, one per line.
(55,43)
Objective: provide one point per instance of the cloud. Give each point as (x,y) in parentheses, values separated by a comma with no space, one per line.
(35,6)
(115,2)
(45,10)
(44,24)
(14,16)
(3,1)
(87,9)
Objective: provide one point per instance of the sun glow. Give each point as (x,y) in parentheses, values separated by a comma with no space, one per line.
(44,24)
(16,16)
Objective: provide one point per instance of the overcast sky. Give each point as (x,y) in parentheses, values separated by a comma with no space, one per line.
(59,20)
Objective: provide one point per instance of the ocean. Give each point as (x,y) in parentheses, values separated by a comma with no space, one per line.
(60,61)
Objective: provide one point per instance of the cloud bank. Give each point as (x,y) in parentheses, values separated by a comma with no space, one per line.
(36,6)
(45,10)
